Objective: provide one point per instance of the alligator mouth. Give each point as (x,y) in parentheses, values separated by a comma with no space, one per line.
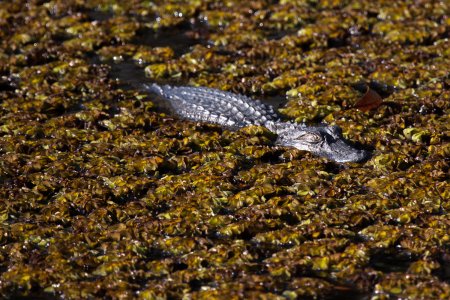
(341,151)
(356,156)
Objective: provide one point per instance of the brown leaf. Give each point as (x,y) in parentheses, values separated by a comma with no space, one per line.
(369,101)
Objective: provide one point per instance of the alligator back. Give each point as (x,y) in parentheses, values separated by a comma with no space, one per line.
(215,106)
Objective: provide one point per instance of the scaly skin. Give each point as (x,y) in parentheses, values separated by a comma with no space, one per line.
(235,111)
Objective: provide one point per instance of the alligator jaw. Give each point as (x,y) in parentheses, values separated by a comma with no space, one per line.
(341,151)
(324,141)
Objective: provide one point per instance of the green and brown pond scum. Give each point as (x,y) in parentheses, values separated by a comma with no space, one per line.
(106,195)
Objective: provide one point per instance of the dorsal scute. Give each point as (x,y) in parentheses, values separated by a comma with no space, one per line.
(216,106)
(280,127)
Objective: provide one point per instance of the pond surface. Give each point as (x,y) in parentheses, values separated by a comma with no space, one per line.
(106,194)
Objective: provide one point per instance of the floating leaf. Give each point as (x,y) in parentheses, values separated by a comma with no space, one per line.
(369,101)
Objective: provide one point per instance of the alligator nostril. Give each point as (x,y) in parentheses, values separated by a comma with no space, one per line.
(336,130)
(363,155)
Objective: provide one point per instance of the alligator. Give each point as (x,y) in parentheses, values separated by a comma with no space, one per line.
(235,111)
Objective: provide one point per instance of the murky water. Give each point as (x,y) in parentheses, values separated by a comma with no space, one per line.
(130,74)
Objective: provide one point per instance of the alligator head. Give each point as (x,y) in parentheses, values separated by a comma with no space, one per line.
(324,141)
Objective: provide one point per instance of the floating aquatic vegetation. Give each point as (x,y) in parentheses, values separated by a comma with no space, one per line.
(104,194)
(411,286)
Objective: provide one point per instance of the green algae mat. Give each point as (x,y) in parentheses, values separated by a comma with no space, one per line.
(104,194)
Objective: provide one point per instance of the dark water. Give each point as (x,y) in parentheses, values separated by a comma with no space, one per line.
(390,262)
(98,15)
(180,39)
(130,75)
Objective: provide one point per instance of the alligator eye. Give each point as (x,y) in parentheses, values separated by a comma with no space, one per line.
(310,137)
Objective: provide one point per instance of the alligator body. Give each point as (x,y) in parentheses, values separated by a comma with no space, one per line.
(235,111)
